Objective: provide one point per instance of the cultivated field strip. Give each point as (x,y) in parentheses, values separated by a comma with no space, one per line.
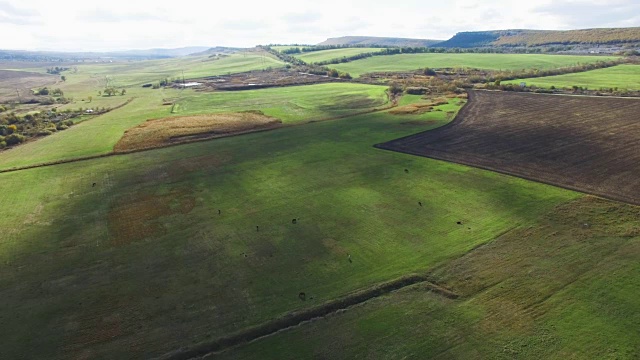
(581,143)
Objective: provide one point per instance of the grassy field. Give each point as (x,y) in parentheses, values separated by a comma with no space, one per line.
(407,62)
(138,73)
(126,74)
(289,104)
(554,291)
(134,256)
(143,263)
(621,76)
(325,55)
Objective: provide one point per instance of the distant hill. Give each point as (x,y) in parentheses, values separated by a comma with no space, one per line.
(519,37)
(158,52)
(217,50)
(380,41)
(23,55)
(471,39)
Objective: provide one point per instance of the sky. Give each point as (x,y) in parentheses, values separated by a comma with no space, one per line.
(72,25)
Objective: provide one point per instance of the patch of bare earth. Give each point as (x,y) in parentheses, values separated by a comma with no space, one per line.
(138,217)
(419,108)
(182,129)
(581,143)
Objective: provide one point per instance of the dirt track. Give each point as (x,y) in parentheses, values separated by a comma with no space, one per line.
(586,144)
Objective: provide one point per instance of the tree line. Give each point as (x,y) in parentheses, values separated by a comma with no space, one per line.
(56,70)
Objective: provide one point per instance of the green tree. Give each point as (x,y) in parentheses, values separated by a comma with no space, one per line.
(429,72)
(64,78)
(14,139)
(124,91)
(395,89)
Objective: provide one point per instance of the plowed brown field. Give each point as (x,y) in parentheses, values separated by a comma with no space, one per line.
(13,83)
(586,144)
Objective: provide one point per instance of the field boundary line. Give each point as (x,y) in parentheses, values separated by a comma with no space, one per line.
(296,318)
(117,153)
(562,94)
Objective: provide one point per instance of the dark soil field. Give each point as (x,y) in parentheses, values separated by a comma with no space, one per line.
(587,144)
(263,79)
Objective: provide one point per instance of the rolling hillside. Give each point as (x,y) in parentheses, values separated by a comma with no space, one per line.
(380,41)
(543,37)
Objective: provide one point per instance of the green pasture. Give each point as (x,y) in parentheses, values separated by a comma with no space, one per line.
(85,82)
(325,55)
(134,256)
(164,251)
(556,290)
(409,62)
(135,73)
(99,134)
(621,77)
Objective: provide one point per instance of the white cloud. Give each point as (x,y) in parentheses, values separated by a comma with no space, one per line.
(127,24)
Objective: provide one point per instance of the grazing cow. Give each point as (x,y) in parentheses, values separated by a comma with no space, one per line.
(294,221)
(219,212)
(302,296)
(419,203)
(257,228)
(349,255)
(94,185)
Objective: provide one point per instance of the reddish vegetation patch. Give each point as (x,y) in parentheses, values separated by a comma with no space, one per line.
(583,143)
(420,108)
(136,218)
(174,130)
(413,109)
(204,162)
